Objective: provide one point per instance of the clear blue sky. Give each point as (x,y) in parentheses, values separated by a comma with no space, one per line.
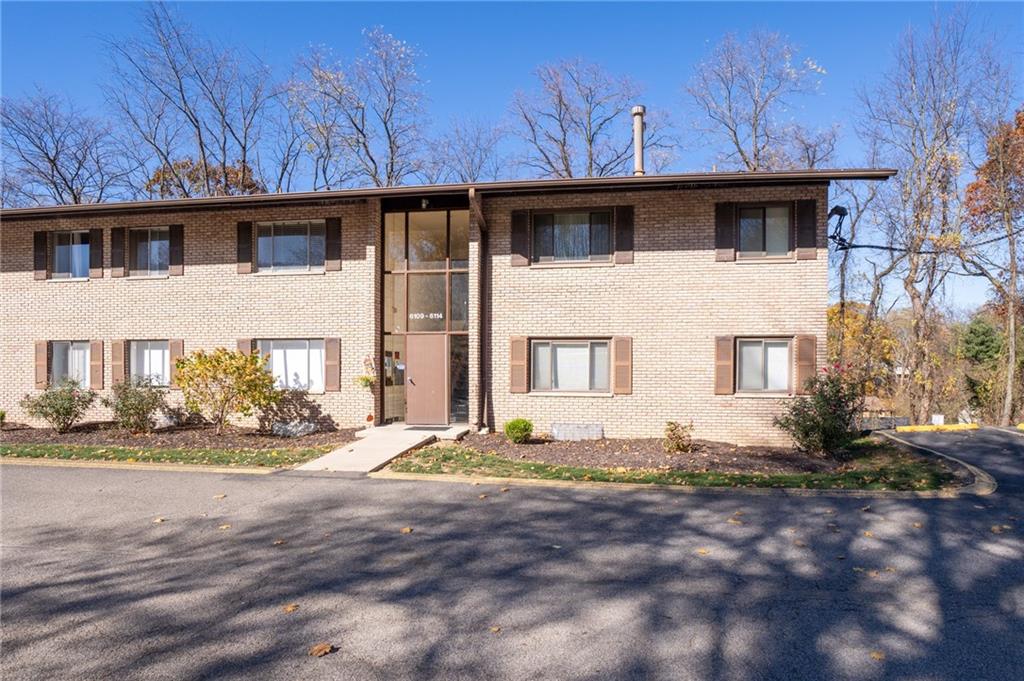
(477,54)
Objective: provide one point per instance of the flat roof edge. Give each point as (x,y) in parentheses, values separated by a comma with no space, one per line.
(626,183)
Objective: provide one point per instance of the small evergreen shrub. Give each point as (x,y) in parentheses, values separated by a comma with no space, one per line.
(62,406)
(824,421)
(678,438)
(135,404)
(519,431)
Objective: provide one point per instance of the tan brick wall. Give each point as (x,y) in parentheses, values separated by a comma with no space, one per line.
(673,300)
(210,305)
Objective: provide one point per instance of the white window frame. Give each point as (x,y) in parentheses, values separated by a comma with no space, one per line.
(274,225)
(764,340)
(590,343)
(133,373)
(149,272)
(764,254)
(56,236)
(265,346)
(68,347)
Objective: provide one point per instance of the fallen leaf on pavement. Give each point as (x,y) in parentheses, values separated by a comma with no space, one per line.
(495,630)
(291,607)
(504,489)
(321,649)
(160,520)
(734,521)
(866,509)
(703,551)
(220,496)
(483,496)
(279,542)
(406,530)
(996,529)
(799,542)
(869,533)
(918,525)
(556,546)
(225,526)
(877,655)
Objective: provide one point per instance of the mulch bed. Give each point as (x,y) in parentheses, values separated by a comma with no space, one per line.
(649,453)
(181,437)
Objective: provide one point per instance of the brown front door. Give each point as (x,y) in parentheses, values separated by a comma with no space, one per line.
(426,373)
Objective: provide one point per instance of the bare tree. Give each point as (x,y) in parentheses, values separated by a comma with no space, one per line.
(55,154)
(182,99)
(470,151)
(578,123)
(745,91)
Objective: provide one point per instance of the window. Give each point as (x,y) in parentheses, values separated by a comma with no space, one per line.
(567,237)
(70,255)
(762,365)
(569,365)
(149,251)
(764,231)
(151,360)
(70,361)
(291,246)
(296,364)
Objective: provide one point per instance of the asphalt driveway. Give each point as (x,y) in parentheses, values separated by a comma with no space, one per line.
(532,583)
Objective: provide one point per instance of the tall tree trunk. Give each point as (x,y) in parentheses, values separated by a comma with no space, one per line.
(1011,325)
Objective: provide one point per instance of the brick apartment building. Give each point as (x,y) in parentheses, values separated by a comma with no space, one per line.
(623,302)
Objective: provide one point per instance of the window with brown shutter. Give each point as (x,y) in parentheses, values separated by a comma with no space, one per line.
(176,250)
(725,234)
(332,249)
(332,364)
(807,229)
(623,235)
(520,245)
(175,351)
(724,375)
(244,248)
(117,361)
(245,346)
(806,362)
(622,364)
(42,364)
(117,255)
(519,378)
(95,253)
(96,365)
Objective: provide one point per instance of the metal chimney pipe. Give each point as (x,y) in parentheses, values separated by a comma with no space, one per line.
(638,139)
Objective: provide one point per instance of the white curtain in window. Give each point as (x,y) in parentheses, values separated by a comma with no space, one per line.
(296,364)
(152,360)
(599,366)
(571,367)
(751,373)
(541,366)
(70,360)
(572,236)
(776,355)
(777,230)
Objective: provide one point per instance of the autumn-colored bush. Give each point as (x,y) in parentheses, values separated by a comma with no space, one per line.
(823,421)
(678,438)
(60,405)
(223,383)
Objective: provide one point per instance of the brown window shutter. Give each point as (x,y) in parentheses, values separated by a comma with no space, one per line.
(807,230)
(42,356)
(520,238)
(117,261)
(175,351)
(332,364)
(623,235)
(40,254)
(332,245)
(622,365)
(95,360)
(176,251)
(118,361)
(245,346)
(519,364)
(244,247)
(725,232)
(806,362)
(95,253)
(725,376)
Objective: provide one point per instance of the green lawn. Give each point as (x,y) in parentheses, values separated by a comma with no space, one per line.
(274,458)
(872,466)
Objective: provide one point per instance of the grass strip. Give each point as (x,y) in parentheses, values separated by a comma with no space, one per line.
(273,458)
(872,466)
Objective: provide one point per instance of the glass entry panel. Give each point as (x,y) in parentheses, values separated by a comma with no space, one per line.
(426,293)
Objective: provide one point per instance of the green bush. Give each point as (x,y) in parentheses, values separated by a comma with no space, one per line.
(3,418)
(823,422)
(136,403)
(678,438)
(519,431)
(61,406)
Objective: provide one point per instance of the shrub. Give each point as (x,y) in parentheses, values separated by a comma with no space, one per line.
(61,405)
(221,383)
(3,418)
(519,431)
(136,403)
(823,422)
(678,438)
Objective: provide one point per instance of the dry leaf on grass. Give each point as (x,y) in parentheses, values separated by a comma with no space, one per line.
(321,649)
(291,607)
(877,655)
(406,530)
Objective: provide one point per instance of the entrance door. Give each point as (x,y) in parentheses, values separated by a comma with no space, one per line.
(426,372)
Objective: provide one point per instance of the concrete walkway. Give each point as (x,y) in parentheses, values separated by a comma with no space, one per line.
(377,446)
